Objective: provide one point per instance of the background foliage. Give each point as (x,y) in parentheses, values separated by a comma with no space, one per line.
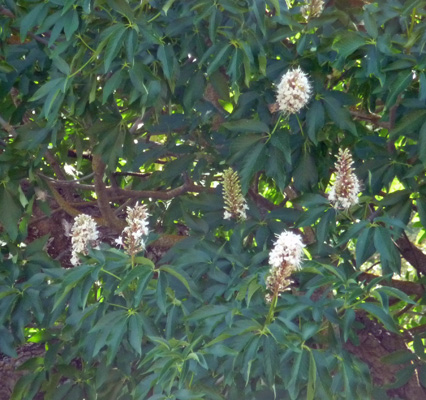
(107,102)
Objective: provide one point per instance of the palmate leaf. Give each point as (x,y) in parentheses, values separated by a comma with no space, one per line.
(247,125)
(253,162)
(10,212)
(348,42)
(380,314)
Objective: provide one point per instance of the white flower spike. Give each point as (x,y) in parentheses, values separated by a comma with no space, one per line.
(84,233)
(294,91)
(284,259)
(313,9)
(235,204)
(344,193)
(137,227)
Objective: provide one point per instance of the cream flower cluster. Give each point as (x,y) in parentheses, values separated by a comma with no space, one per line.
(132,238)
(84,232)
(235,204)
(313,9)
(293,91)
(344,193)
(284,258)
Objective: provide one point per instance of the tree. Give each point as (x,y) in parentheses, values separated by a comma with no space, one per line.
(107,104)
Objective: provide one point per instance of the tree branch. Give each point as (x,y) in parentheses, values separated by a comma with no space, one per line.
(412,254)
(103,201)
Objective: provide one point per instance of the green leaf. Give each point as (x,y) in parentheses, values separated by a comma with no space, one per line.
(5,67)
(192,91)
(250,354)
(296,373)
(114,45)
(219,59)
(422,90)
(305,176)
(399,357)
(339,114)
(208,312)
(401,83)
(348,42)
(394,292)
(143,280)
(72,278)
(312,378)
(108,320)
(50,87)
(173,271)
(10,212)
(61,64)
(135,332)
(167,6)
(112,84)
(422,146)
(115,338)
(32,19)
(6,343)
(246,125)
(338,272)
(258,8)
(380,314)
(261,58)
(352,232)
(122,7)
(370,23)
(315,120)
(362,246)
(160,293)
(167,57)
(348,321)
(72,23)
(409,123)
(326,225)
(309,329)
(243,326)
(252,163)
(309,218)
(282,142)
(383,242)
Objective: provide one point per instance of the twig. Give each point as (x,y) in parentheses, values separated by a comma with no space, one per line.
(372,118)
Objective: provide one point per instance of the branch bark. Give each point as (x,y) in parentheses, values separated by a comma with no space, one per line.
(412,254)
(375,343)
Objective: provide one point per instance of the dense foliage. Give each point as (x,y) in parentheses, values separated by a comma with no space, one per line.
(107,102)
